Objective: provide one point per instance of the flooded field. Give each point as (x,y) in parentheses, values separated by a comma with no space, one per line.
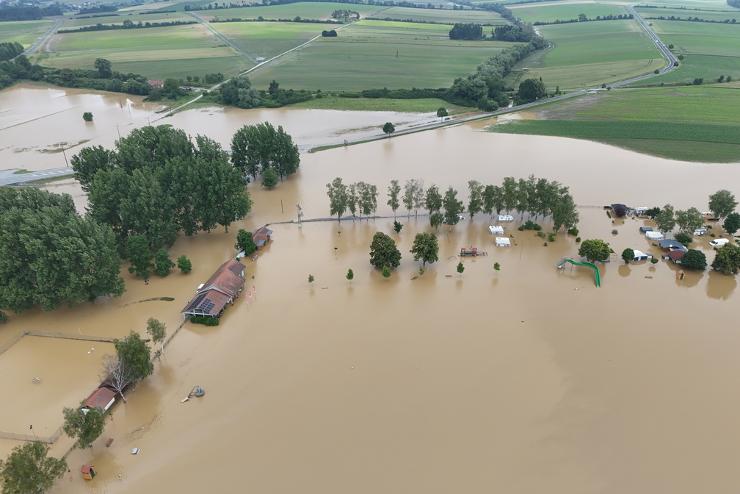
(526,380)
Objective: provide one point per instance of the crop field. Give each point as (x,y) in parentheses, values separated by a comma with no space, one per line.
(24,32)
(709,50)
(421,105)
(711,15)
(377,54)
(687,123)
(445,16)
(133,17)
(566,11)
(590,53)
(156,52)
(305,10)
(267,39)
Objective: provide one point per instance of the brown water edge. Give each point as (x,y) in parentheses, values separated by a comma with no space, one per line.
(449,388)
(37,121)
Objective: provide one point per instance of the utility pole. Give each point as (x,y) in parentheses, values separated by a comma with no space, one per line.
(300,214)
(65,157)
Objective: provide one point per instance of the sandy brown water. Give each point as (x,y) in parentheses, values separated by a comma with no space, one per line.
(526,380)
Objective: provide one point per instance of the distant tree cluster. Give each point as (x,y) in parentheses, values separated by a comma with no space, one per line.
(263,149)
(10,50)
(359,197)
(24,12)
(49,255)
(466,31)
(332,33)
(693,19)
(240,93)
(157,182)
(584,18)
(530,90)
(127,24)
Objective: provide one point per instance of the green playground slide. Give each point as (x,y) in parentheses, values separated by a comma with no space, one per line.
(597,275)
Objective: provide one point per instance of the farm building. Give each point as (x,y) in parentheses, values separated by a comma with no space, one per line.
(102,398)
(222,288)
(261,237)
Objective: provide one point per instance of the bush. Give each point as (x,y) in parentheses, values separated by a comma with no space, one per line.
(245,242)
(578,240)
(270,178)
(162,263)
(205,320)
(654,261)
(87,116)
(184,264)
(684,238)
(694,259)
(541,234)
(573,231)
(530,225)
(550,237)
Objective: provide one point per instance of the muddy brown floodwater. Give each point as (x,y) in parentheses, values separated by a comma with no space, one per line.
(526,380)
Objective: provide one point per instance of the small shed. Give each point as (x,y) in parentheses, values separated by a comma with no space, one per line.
(670,244)
(102,398)
(503,242)
(651,235)
(496,229)
(261,237)
(505,218)
(88,471)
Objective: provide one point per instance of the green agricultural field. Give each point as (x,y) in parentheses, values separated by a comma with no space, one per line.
(711,15)
(305,10)
(133,17)
(697,123)
(24,32)
(565,11)
(587,54)
(377,54)
(439,15)
(267,39)
(422,105)
(709,50)
(155,52)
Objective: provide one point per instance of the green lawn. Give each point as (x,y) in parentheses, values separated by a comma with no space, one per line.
(712,15)
(156,52)
(587,54)
(565,11)
(709,50)
(423,105)
(267,39)
(305,10)
(377,54)
(688,123)
(24,32)
(439,15)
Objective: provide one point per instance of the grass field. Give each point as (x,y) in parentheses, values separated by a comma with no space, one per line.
(442,16)
(423,105)
(587,54)
(305,10)
(377,54)
(24,32)
(565,11)
(709,50)
(267,39)
(156,52)
(712,15)
(698,123)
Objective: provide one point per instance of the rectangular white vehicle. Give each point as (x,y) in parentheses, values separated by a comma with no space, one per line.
(505,218)
(719,242)
(651,235)
(503,242)
(496,229)
(700,231)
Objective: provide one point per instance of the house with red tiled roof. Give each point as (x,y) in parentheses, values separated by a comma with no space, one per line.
(221,289)
(102,398)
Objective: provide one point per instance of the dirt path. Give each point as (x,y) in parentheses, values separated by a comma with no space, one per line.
(44,38)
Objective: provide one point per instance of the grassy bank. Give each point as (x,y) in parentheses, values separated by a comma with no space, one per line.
(423,105)
(689,123)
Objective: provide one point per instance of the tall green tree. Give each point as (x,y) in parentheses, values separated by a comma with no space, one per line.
(453,207)
(28,469)
(140,255)
(157,330)
(394,189)
(510,193)
(564,213)
(666,219)
(530,90)
(594,250)
(408,195)
(162,263)
(104,68)
(388,128)
(367,198)
(732,223)
(255,148)
(425,248)
(245,242)
(135,357)
(338,197)
(689,220)
(433,199)
(475,197)
(383,252)
(49,255)
(727,259)
(84,426)
(722,203)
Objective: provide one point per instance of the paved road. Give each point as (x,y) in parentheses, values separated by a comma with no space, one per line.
(7,177)
(43,38)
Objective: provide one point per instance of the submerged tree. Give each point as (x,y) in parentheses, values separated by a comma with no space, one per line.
(184,264)
(388,128)
(722,203)
(453,207)
(383,252)
(689,220)
(338,198)
(727,259)
(594,250)
(628,255)
(245,242)
(666,219)
(394,189)
(28,469)
(157,330)
(475,197)
(425,248)
(83,425)
(257,148)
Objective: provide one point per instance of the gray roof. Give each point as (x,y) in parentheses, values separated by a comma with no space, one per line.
(671,244)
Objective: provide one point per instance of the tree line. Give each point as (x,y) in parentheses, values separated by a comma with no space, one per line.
(536,197)
(584,18)
(28,12)
(240,93)
(10,50)
(127,24)
(693,19)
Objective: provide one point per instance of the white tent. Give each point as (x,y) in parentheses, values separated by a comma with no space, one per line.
(503,242)
(496,229)
(654,235)
(505,217)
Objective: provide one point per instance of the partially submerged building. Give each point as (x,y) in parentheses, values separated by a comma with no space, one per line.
(670,244)
(102,398)
(261,236)
(221,289)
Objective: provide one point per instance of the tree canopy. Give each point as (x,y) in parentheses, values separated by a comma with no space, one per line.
(727,259)
(594,250)
(425,248)
(28,469)
(156,182)
(694,259)
(453,207)
(383,252)
(666,219)
(689,220)
(258,148)
(338,198)
(732,223)
(49,255)
(135,357)
(722,203)
(84,426)
(530,90)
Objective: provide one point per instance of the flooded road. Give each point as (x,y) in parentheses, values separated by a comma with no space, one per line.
(526,380)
